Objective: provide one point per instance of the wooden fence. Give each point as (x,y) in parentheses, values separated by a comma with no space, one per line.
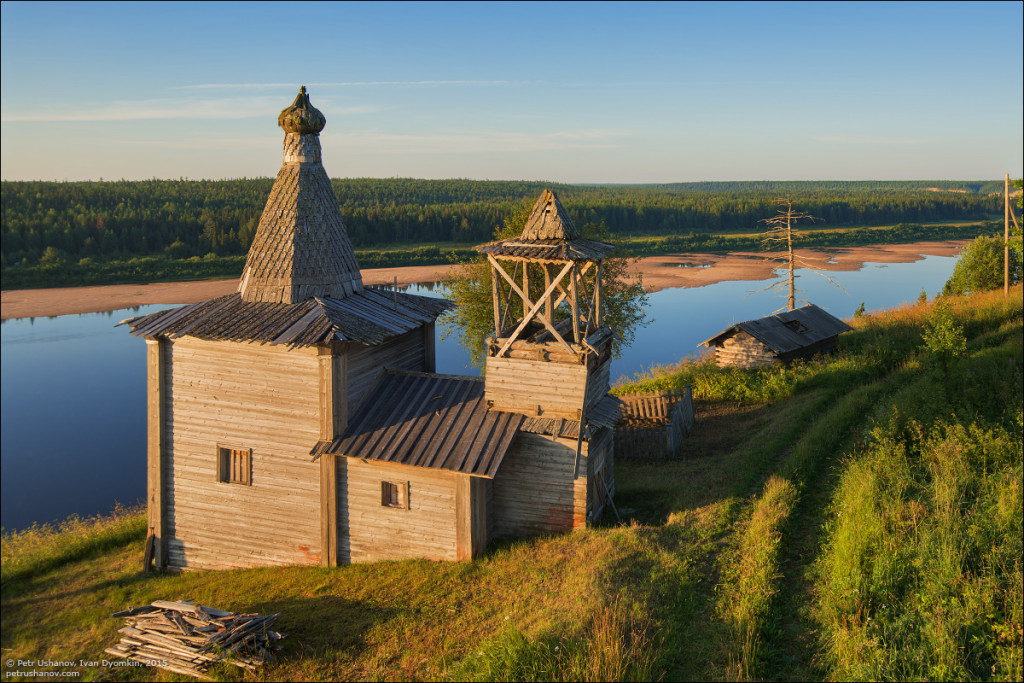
(653,425)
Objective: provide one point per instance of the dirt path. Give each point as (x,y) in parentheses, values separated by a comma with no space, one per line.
(659,272)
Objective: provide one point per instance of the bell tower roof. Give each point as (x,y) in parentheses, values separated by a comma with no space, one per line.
(549,235)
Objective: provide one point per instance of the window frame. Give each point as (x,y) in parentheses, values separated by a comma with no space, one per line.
(225,466)
(401,497)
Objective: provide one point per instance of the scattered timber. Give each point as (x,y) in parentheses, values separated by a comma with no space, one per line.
(187,639)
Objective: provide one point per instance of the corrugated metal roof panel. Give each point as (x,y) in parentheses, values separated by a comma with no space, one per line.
(428,420)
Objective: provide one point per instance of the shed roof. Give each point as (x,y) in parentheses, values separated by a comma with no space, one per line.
(428,420)
(788,331)
(549,235)
(368,317)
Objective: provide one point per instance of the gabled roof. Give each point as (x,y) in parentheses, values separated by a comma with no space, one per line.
(301,249)
(369,317)
(549,221)
(787,331)
(428,420)
(549,235)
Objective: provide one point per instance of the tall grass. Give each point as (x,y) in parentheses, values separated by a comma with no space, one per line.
(42,547)
(921,574)
(614,647)
(748,600)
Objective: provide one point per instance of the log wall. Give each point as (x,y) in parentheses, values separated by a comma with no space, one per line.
(246,396)
(743,351)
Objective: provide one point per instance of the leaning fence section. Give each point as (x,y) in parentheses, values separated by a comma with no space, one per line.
(653,425)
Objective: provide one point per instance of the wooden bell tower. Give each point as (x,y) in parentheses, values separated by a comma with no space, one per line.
(550,353)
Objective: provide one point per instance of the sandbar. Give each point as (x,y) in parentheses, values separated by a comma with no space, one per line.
(658,272)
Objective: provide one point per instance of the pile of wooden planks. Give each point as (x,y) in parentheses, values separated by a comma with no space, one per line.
(186,638)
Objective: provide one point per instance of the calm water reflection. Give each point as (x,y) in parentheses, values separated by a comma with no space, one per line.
(73,406)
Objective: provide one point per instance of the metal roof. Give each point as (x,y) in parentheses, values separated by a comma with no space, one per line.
(428,420)
(367,317)
(788,331)
(605,413)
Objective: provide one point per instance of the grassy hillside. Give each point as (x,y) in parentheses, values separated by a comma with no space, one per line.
(858,516)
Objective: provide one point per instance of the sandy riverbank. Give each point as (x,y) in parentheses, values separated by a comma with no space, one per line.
(659,272)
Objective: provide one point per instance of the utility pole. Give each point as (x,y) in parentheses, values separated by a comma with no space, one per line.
(1006,240)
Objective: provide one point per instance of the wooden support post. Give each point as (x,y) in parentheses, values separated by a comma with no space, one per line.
(526,287)
(597,296)
(549,310)
(157,391)
(333,419)
(496,301)
(574,303)
(429,352)
(532,312)
(463,518)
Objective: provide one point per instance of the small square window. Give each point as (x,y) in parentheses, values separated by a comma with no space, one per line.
(234,465)
(394,494)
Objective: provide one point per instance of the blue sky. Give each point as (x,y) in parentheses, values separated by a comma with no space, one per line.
(566,92)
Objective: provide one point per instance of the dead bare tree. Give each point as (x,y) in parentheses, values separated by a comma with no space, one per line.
(780,233)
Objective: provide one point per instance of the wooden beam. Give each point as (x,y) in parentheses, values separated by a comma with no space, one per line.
(549,309)
(429,350)
(157,377)
(495,301)
(575,305)
(533,311)
(333,420)
(463,518)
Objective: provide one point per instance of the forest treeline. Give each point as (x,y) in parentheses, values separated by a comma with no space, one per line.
(87,224)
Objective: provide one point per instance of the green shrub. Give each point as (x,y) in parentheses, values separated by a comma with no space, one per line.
(980,268)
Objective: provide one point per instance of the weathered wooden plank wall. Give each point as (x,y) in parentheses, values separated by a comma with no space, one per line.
(523,386)
(535,490)
(369,531)
(405,352)
(242,396)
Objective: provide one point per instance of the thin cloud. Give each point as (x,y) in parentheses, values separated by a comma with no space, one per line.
(865,140)
(338,84)
(470,142)
(170,108)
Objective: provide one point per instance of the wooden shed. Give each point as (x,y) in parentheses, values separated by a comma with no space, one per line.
(299,420)
(779,338)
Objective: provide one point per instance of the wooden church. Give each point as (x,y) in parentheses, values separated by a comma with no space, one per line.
(300,421)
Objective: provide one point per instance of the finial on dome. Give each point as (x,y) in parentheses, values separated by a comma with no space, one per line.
(302,117)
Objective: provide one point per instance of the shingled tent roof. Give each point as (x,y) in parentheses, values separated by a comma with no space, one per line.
(549,235)
(301,285)
(787,331)
(301,248)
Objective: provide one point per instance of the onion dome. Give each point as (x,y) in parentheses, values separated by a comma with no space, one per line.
(302,117)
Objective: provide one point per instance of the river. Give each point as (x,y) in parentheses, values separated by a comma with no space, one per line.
(73,404)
